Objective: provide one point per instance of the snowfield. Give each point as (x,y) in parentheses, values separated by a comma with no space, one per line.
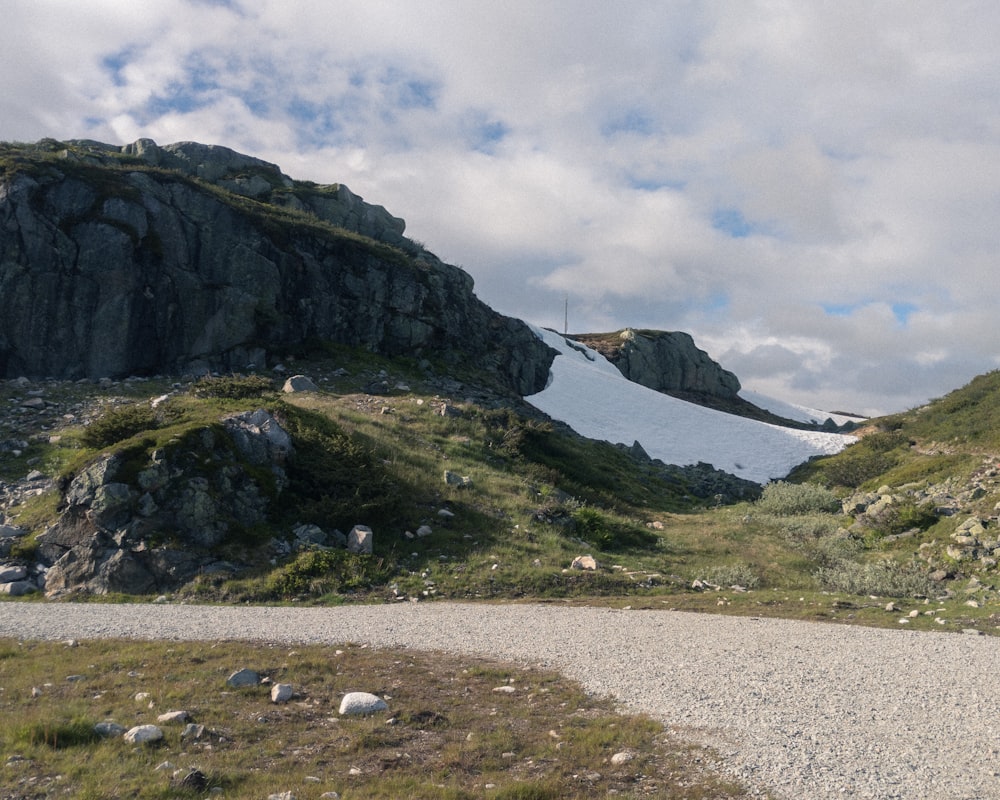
(588,393)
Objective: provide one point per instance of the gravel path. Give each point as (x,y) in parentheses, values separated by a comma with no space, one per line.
(809,711)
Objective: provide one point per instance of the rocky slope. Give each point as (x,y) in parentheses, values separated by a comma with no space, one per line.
(145,259)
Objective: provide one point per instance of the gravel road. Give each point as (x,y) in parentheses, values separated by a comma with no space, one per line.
(804,710)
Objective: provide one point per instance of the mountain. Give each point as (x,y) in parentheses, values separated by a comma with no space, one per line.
(146,267)
(143,259)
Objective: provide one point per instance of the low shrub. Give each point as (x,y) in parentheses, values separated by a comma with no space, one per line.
(880,578)
(233,387)
(118,424)
(740,574)
(605,532)
(853,469)
(900,517)
(788,499)
(336,571)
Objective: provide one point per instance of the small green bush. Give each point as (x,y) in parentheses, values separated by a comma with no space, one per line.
(608,533)
(740,574)
(809,527)
(881,578)
(788,499)
(900,517)
(233,387)
(857,467)
(335,570)
(118,424)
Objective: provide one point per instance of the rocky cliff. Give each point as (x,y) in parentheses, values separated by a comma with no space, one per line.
(667,361)
(145,259)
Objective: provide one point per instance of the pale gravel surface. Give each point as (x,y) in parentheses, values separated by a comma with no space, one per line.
(807,710)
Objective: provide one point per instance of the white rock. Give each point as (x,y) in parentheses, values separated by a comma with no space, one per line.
(299,383)
(141,734)
(281,693)
(243,677)
(361,703)
(584,562)
(622,758)
(174,716)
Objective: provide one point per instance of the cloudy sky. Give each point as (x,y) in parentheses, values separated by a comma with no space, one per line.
(811,189)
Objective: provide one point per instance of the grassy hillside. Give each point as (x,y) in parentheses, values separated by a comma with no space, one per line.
(537,497)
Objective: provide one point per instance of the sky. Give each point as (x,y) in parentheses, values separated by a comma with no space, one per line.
(810,189)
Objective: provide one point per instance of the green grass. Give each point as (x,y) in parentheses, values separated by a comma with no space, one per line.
(447,733)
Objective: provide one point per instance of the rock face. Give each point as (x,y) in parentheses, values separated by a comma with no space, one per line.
(146,259)
(150,525)
(667,361)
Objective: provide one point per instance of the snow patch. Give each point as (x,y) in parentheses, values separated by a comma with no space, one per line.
(588,393)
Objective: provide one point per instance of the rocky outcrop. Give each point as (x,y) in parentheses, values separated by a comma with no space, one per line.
(149,260)
(667,361)
(152,523)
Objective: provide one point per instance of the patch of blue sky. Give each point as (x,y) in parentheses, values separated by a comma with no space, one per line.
(197,89)
(115,64)
(840,309)
(178,98)
(731,222)
(902,312)
(482,133)
(407,91)
(646,183)
(715,303)
(632,120)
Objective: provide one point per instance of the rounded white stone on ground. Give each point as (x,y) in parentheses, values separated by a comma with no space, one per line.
(361,703)
(141,734)
(281,693)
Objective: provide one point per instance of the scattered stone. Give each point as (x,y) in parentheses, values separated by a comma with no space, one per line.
(192,731)
(109,730)
(622,758)
(299,383)
(505,689)
(281,693)
(195,780)
(174,716)
(360,540)
(584,563)
(243,677)
(310,534)
(18,588)
(424,530)
(459,481)
(361,703)
(143,734)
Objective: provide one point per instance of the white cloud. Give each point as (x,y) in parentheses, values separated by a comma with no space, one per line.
(808,188)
